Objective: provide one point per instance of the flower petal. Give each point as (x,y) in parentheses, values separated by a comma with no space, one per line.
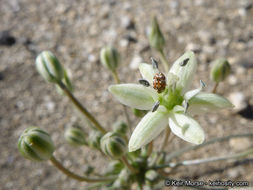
(208,102)
(134,95)
(147,72)
(148,128)
(186,128)
(185,72)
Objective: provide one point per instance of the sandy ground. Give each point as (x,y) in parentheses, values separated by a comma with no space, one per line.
(75,31)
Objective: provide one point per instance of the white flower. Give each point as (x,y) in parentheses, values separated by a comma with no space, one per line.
(174,103)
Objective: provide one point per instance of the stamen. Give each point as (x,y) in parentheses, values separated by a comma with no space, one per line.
(144,82)
(155,106)
(184,62)
(186,106)
(202,84)
(154,63)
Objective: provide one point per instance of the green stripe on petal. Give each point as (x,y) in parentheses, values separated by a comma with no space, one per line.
(208,102)
(148,72)
(148,128)
(186,128)
(186,72)
(134,95)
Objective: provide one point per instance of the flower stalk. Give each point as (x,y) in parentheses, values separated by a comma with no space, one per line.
(130,167)
(165,140)
(215,140)
(206,160)
(64,170)
(117,81)
(80,107)
(215,87)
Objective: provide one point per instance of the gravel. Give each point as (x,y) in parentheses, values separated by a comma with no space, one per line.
(76,31)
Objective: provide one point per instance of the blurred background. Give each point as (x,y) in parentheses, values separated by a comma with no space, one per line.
(76,31)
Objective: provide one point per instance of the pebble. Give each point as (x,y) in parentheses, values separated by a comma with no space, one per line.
(235,172)
(209,49)
(6,39)
(1,76)
(92,58)
(238,100)
(137,59)
(127,23)
(193,47)
(206,37)
(232,80)
(123,43)
(239,144)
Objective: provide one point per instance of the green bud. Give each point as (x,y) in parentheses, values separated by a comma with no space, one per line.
(75,136)
(114,167)
(94,139)
(122,181)
(66,81)
(156,38)
(220,70)
(49,67)
(113,145)
(151,175)
(140,163)
(120,127)
(35,144)
(110,58)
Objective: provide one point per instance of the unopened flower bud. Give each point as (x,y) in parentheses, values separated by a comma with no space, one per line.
(75,136)
(35,144)
(66,81)
(122,180)
(110,58)
(94,139)
(151,177)
(114,167)
(220,70)
(49,67)
(156,38)
(120,127)
(113,145)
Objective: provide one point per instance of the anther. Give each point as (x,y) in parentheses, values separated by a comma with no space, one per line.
(184,62)
(155,106)
(144,82)
(186,106)
(154,63)
(202,84)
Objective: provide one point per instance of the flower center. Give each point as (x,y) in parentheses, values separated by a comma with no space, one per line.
(170,98)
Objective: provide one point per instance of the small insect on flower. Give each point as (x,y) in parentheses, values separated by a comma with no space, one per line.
(159,82)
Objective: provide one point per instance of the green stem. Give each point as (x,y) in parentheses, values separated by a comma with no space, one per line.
(81,108)
(206,160)
(189,148)
(116,77)
(131,168)
(117,80)
(140,186)
(215,87)
(150,148)
(164,61)
(58,165)
(165,140)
